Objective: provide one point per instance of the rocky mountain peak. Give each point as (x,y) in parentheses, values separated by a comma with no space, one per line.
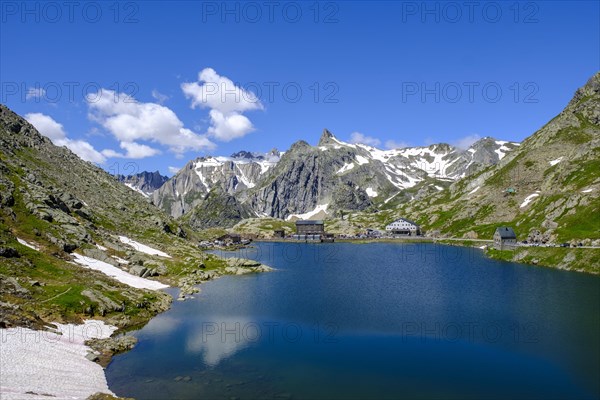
(246,155)
(441,148)
(327,138)
(484,142)
(591,88)
(144,182)
(300,145)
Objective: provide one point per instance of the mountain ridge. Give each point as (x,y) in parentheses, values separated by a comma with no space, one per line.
(329,176)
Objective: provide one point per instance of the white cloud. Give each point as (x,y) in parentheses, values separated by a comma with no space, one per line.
(226,102)
(392,144)
(130,121)
(174,170)
(357,137)
(158,96)
(55,132)
(467,141)
(219,93)
(133,150)
(229,126)
(35,93)
(47,127)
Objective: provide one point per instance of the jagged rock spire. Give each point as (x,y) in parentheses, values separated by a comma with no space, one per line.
(326,138)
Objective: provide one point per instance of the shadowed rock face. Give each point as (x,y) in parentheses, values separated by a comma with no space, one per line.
(144,182)
(341,175)
(218,208)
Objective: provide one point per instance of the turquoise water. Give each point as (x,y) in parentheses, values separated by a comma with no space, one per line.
(373,320)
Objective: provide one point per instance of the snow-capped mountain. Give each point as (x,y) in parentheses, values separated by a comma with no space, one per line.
(232,175)
(334,175)
(315,181)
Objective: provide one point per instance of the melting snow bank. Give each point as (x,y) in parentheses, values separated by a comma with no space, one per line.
(24,243)
(142,248)
(118,274)
(474,190)
(371,192)
(48,365)
(554,162)
(310,214)
(529,198)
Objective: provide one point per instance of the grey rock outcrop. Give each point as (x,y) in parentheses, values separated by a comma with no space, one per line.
(334,175)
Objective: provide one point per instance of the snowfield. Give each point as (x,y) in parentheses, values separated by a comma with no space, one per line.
(308,215)
(361,160)
(345,168)
(130,186)
(118,274)
(48,365)
(371,192)
(529,199)
(142,248)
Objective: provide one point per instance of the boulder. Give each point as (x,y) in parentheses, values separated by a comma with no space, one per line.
(138,270)
(548,224)
(9,252)
(470,235)
(70,247)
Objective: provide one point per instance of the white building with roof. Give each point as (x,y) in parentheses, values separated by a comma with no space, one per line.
(403,226)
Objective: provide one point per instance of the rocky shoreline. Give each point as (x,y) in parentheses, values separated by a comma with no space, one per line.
(100,350)
(104,349)
(235,266)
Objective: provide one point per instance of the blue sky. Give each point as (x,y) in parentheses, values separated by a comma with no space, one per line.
(387,73)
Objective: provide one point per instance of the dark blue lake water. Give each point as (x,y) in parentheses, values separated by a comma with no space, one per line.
(379,320)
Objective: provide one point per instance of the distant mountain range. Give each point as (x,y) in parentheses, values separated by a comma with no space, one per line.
(144,182)
(546,188)
(317,181)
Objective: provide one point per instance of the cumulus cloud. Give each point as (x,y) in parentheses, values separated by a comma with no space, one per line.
(226,101)
(227,127)
(130,121)
(48,127)
(357,137)
(174,170)
(392,144)
(133,150)
(467,141)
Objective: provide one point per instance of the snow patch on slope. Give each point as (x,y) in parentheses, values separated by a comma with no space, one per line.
(310,214)
(118,274)
(135,189)
(554,162)
(142,248)
(529,199)
(345,168)
(51,365)
(474,190)
(27,244)
(361,160)
(371,192)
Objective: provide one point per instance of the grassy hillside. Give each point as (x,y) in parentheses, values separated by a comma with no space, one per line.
(556,169)
(60,204)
